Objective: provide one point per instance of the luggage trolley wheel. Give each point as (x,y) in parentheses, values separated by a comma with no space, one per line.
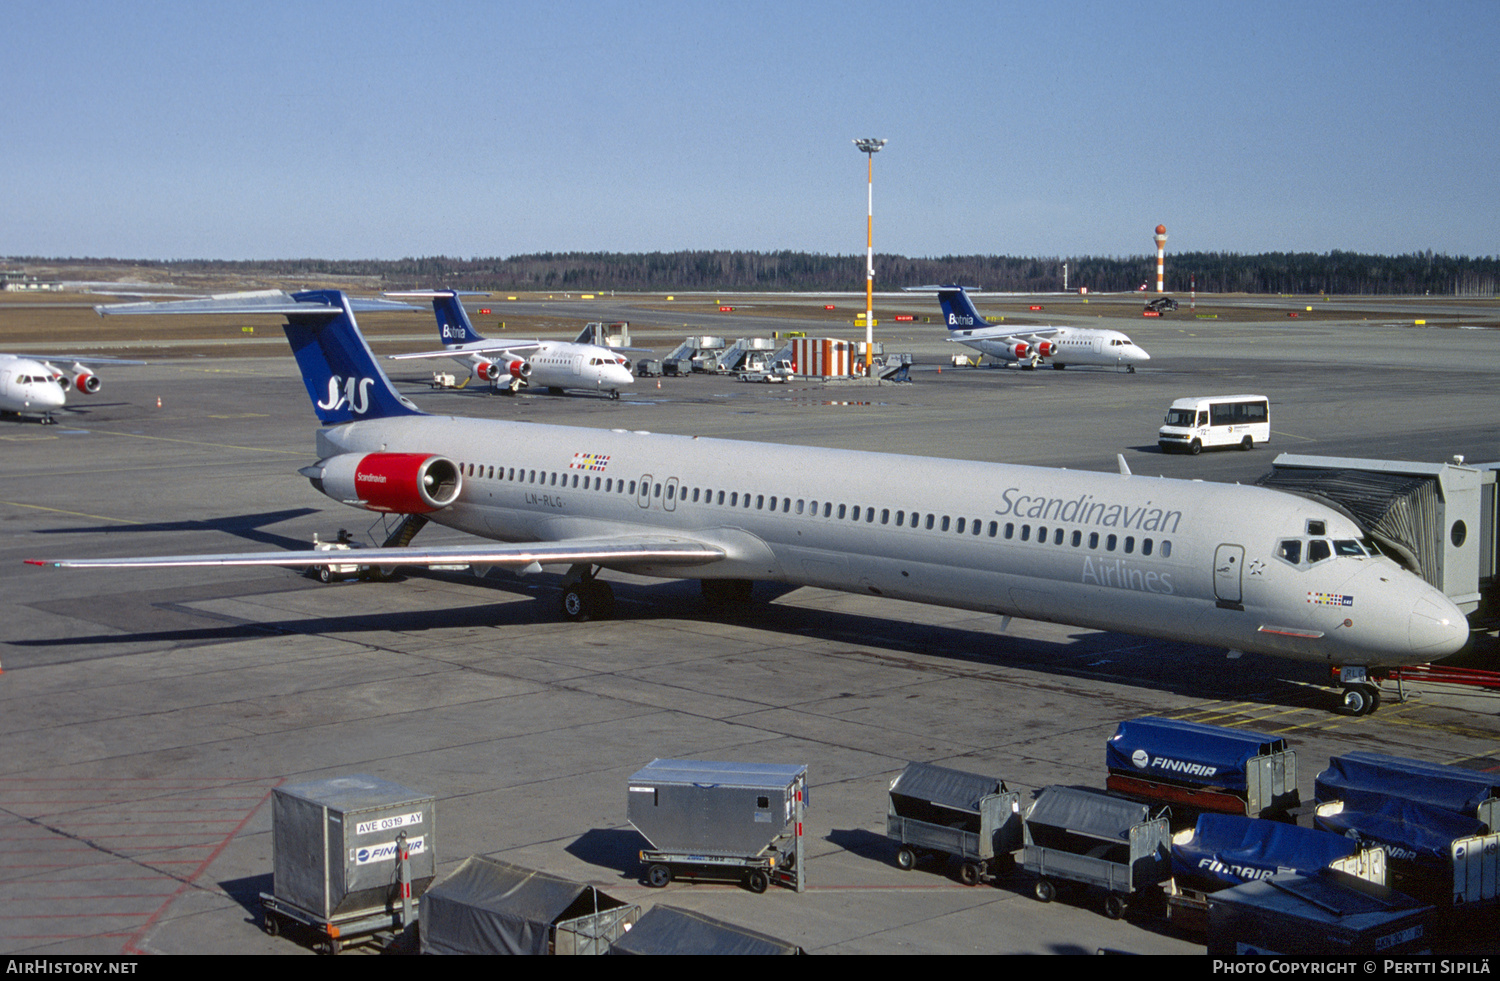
(658,875)
(1114,906)
(757,881)
(1046,891)
(970,873)
(906,859)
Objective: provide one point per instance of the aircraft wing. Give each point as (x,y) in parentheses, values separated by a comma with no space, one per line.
(1000,333)
(258,301)
(476,347)
(616,553)
(81,359)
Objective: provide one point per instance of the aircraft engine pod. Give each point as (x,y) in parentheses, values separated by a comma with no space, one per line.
(1022,349)
(487,371)
(519,368)
(84,380)
(396,483)
(1046,348)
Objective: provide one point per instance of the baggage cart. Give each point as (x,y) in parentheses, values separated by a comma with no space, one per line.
(351,858)
(933,810)
(1195,768)
(1326,914)
(738,822)
(1225,850)
(1088,838)
(487,906)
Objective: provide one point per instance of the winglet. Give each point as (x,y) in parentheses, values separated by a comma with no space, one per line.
(1124,467)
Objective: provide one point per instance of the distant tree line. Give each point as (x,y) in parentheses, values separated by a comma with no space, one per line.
(1341,273)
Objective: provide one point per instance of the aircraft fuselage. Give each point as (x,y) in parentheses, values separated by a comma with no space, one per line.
(1182,560)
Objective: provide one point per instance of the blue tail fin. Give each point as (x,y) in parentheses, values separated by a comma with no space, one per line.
(343,378)
(453,320)
(958,309)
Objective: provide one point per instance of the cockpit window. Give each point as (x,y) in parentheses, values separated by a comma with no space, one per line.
(1316,526)
(1347,547)
(1290,551)
(1318,550)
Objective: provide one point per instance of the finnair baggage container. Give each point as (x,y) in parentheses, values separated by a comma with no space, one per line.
(1196,767)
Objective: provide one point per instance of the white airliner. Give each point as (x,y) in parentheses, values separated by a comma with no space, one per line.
(1216,564)
(1030,346)
(554,365)
(33,386)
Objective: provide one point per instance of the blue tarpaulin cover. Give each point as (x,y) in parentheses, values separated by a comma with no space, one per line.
(1363,781)
(1409,831)
(1227,849)
(1187,753)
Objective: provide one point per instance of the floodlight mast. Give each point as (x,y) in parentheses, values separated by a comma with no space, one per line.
(869,147)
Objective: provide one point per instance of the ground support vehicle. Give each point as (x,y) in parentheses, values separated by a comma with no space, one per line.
(488,906)
(332,934)
(1195,768)
(1438,823)
(778,371)
(933,811)
(351,856)
(1087,838)
(1320,915)
(1205,421)
(1225,850)
(739,822)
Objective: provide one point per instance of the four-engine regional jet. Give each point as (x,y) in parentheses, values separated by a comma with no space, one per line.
(554,365)
(33,386)
(1029,346)
(1222,565)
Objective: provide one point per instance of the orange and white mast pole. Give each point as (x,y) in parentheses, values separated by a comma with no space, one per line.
(1161,258)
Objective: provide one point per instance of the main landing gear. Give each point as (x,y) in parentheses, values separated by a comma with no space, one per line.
(586,597)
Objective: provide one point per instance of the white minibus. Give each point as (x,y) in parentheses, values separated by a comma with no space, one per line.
(1216,420)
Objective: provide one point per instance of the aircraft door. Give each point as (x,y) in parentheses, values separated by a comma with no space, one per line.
(1229,562)
(578,364)
(669,496)
(643,496)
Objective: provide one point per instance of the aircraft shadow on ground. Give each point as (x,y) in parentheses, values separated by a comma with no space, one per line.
(246,526)
(1182,669)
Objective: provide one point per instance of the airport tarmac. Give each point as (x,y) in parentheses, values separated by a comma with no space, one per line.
(148,716)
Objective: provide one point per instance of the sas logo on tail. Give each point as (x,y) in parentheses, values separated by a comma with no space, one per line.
(353,393)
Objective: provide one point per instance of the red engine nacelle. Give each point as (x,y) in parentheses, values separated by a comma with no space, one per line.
(1021,351)
(85,380)
(395,483)
(487,371)
(519,368)
(1046,348)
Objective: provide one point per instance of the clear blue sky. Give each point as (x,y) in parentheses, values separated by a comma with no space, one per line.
(379,130)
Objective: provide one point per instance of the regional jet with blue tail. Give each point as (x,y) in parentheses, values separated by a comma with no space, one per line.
(1182,560)
(1030,346)
(514,364)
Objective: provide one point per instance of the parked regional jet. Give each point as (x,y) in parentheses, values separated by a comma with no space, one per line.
(555,365)
(1059,346)
(1204,563)
(33,386)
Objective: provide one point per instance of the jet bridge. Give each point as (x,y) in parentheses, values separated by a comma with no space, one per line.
(1438,519)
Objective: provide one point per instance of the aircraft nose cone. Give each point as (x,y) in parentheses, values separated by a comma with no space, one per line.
(1437,628)
(1140,355)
